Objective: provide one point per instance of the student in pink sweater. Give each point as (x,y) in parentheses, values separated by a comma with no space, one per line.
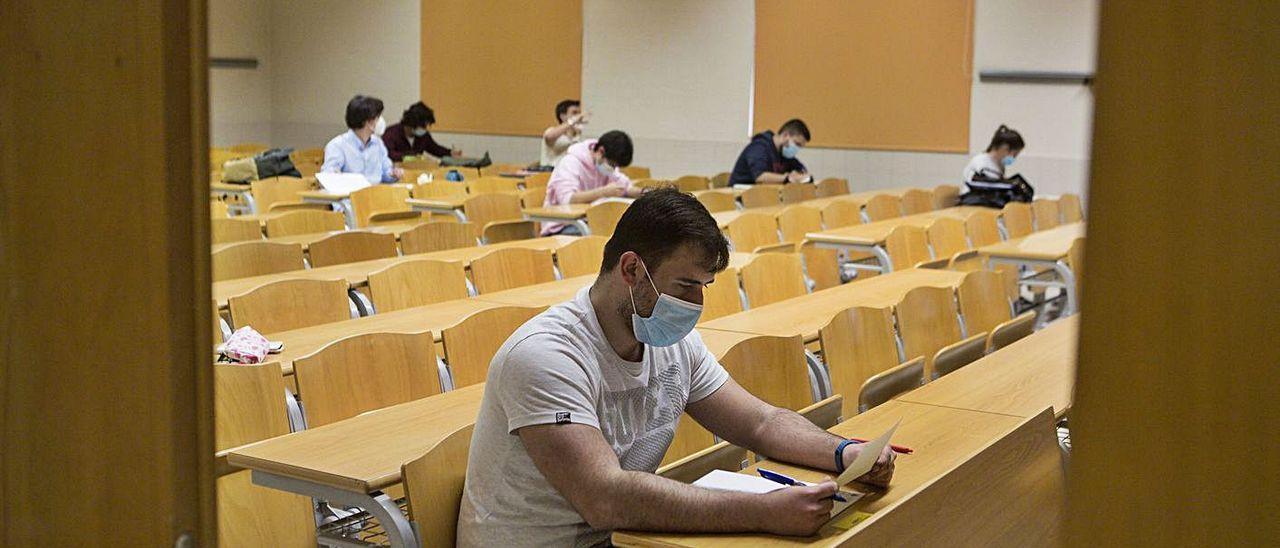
(589,172)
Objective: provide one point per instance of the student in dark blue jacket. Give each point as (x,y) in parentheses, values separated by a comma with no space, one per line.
(771,158)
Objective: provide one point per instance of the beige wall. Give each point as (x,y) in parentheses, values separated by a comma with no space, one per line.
(240,99)
(676,75)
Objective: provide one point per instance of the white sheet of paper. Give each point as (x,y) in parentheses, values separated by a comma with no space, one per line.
(733,481)
(342,183)
(867,458)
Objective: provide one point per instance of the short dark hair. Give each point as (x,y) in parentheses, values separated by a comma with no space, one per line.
(617,147)
(1006,136)
(796,126)
(418,115)
(658,223)
(564,106)
(361,109)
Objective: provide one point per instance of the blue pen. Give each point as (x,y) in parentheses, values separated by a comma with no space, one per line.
(787,480)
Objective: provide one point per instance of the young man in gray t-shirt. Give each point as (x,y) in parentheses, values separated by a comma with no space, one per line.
(582,402)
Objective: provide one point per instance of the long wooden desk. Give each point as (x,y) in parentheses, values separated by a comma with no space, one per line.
(949,444)
(358,273)
(1044,249)
(307,239)
(806,314)
(341,201)
(449,205)
(870,237)
(723,218)
(574,214)
(1019,380)
(859,197)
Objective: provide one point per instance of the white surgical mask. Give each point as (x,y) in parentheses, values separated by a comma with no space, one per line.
(604,168)
(670,322)
(419,132)
(380,127)
(790,150)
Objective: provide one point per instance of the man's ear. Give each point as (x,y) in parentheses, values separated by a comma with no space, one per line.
(629,267)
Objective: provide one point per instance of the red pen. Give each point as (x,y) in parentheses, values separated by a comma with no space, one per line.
(895,448)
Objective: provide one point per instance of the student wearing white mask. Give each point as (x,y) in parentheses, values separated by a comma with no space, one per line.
(1005,146)
(582,402)
(589,172)
(360,149)
(412,136)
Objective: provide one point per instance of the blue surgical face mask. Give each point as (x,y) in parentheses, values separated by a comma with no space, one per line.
(671,320)
(1007,161)
(419,132)
(790,150)
(604,168)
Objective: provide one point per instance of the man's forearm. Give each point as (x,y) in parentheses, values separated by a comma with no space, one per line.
(786,436)
(770,177)
(648,502)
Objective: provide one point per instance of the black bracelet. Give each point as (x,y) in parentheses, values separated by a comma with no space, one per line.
(840,454)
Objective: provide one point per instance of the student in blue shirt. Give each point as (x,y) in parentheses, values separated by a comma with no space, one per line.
(360,149)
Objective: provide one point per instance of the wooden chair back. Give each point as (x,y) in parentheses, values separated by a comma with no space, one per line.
(984,301)
(511,267)
(795,221)
(538,180)
(603,217)
(225,231)
(908,245)
(470,345)
(417,283)
(364,372)
(1011,331)
(651,183)
(761,195)
(440,189)
(720,180)
(691,183)
(771,368)
(883,206)
(435,236)
(304,221)
(982,228)
(248,407)
(773,277)
(423,163)
(945,196)
(268,194)
(375,199)
(798,192)
(959,354)
(351,247)
(857,344)
(752,231)
(1072,211)
(533,197)
(826,413)
(820,265)
(483,209)
(841,213)
(489,185)
(832,187)
(888,384)
(721,298)
(916,201)
(717,201)
(508,231)
(581,256)
(247,259)
(721,456)
(1017,219)
(927,322)
(290,304)
(1046,213)
(946,237)
(689,438)
(283,207)
(1075,260)
(636,172)
(433,485)
(218,209)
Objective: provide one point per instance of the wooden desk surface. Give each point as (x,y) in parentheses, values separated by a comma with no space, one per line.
(874,233)
(739,259)
(327,196)
(942,438)
(806,314)
(543,294)
(307,239)
(568,212)
(228,187)
(861,197)
(451,202)
(1021,379)
(723,218)
(1048,245)
(364,453)
(358,273)
(719,342)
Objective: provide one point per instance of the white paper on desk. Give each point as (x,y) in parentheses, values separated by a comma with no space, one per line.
(733,481)
(867,458)
(614,199)
(342,183)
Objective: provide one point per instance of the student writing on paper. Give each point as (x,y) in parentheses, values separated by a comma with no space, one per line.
(1005,146)
(582,401)
(771,157)
(360,149)
(412,136)
(588,172)
(557,139)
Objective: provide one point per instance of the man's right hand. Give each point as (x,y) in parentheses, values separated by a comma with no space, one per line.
(612,191)
(796,177)
(799,510)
